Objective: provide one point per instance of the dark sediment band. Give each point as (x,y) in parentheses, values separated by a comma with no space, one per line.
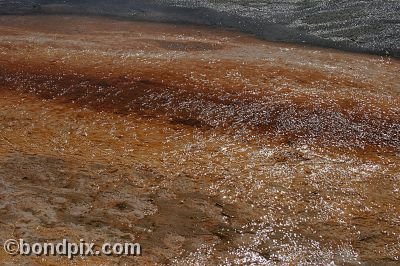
(294,119)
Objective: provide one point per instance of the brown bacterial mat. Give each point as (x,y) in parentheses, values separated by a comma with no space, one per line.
(202,145)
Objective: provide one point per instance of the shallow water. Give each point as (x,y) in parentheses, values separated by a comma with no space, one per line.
(368,26)
(205,146)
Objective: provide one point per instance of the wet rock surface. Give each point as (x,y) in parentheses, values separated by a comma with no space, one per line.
(368,26)
(205,146)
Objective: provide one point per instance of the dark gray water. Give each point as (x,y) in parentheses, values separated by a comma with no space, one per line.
(369,26)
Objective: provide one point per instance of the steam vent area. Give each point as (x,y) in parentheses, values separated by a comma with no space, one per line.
(205,145)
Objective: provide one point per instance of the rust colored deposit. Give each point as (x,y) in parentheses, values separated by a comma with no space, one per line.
(203,145)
